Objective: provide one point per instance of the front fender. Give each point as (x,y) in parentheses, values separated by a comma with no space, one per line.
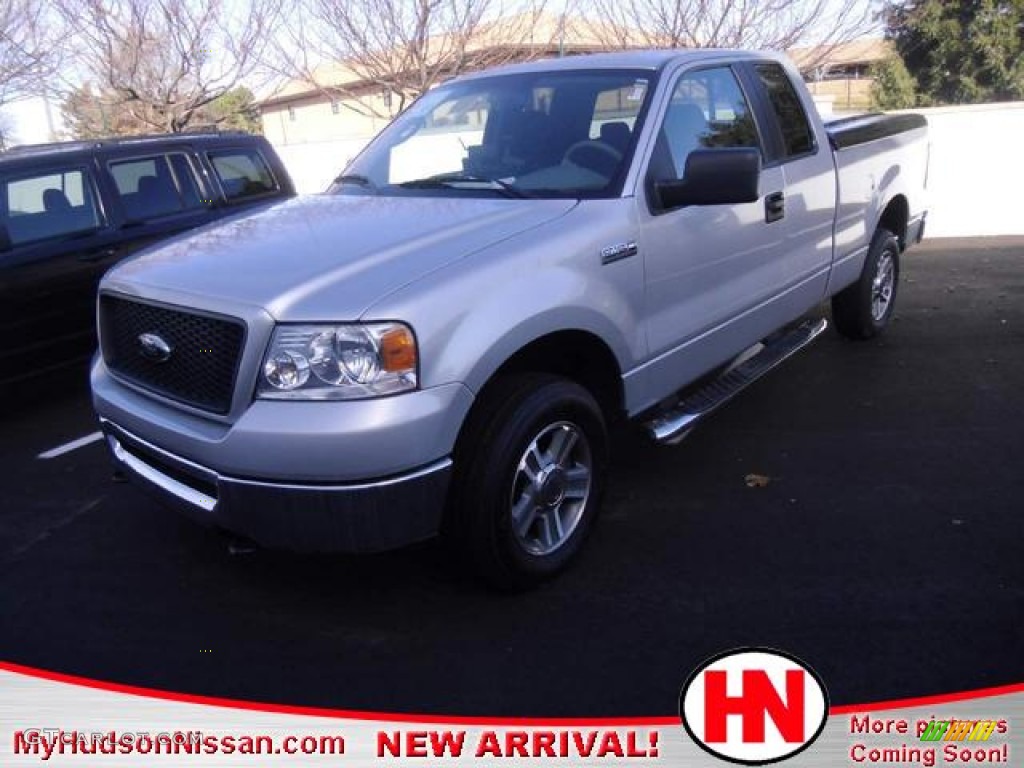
(472,316)
(523,312)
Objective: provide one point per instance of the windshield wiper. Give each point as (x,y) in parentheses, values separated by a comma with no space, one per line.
(355,178)
(451,180)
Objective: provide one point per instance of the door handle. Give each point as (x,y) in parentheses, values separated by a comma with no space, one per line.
(774,206)
(98,254)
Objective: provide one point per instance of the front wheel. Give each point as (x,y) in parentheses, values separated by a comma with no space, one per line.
(529,478)
(864,309)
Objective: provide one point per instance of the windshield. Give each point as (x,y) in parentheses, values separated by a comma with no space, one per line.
(538,134)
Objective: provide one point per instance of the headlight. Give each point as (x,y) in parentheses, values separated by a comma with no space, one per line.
(338,362)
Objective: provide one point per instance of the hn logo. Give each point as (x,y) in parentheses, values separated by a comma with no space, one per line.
(753,706)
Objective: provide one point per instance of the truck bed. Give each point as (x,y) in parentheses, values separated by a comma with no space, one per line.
(881,170)
(846,132)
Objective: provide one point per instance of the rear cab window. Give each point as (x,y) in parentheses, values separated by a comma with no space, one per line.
(154,186)
(796,133)
(242,173)
(51,204)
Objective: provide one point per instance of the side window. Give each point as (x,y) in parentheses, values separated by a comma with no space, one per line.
(797,136)
(44,206)
(242,173)
(188,181)
(149,188)
(707,109)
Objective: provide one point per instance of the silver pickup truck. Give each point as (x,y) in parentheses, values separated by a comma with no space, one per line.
(440,343)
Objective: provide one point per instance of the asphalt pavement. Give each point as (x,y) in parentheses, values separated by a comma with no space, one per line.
(884,547)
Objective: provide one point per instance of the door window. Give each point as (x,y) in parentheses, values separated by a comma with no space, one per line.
(49,205)
(188,181)
(149,187)
(707,109)
(243,173)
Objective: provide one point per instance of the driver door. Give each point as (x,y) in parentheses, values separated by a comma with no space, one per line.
(709,269)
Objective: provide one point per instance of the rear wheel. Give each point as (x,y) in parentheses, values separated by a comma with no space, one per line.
(529,477)
(864,309)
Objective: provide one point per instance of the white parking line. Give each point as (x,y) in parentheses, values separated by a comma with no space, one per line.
(74,445)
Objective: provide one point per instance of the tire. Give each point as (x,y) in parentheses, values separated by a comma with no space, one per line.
(864,309)
(529,475)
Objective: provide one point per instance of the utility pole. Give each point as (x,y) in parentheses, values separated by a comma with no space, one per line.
(51,131)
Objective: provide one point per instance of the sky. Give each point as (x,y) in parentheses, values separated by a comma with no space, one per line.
(27,120)
(28,123)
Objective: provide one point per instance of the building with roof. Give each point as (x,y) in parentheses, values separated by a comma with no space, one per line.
(318,123)
(839,78)
(353,99)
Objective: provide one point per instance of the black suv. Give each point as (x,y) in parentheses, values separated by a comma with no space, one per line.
(69,211)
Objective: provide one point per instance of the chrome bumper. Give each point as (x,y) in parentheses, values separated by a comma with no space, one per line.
(353,517)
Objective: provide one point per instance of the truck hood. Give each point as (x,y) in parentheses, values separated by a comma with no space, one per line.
(327,257)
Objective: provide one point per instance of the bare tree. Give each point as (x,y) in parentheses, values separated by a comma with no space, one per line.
(27,56)
(6,129)
(160,62)
(377,55)
(760,24)
(90,115)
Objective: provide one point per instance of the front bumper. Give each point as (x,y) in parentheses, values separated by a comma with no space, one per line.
(364,517)
(350,476)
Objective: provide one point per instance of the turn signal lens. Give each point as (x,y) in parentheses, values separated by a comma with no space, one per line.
(398,350)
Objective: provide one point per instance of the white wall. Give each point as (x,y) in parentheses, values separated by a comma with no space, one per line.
(314,165)
(976,168)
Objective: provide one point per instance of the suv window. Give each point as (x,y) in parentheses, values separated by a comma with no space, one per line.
(707,109)
(149,188)
(188,181)
(242,173)
(48,205)
(797,137)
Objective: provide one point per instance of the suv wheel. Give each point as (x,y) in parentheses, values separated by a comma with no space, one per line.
(530,473)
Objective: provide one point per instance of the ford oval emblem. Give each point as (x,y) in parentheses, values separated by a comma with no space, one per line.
(152,347)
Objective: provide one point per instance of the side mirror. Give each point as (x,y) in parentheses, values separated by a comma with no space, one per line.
(713,177)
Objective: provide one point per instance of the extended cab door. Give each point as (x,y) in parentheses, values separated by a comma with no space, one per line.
(806,207)
(712,271)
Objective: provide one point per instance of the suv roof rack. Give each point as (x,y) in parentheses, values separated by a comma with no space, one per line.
(115,141)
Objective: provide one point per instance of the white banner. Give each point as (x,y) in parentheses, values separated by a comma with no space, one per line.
(49,719)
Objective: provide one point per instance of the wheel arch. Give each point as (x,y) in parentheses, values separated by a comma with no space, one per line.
(895,218)
(576,354)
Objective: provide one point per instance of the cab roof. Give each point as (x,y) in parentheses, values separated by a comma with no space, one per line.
(653,60)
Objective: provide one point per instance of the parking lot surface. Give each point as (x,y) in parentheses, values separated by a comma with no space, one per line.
(883,547)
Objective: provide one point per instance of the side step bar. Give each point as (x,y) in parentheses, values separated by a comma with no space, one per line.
(672,425)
